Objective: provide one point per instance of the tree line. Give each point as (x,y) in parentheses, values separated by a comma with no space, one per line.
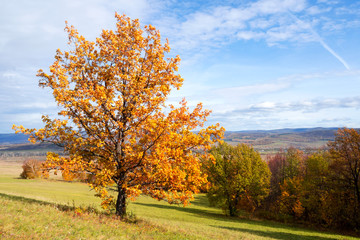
(320,188)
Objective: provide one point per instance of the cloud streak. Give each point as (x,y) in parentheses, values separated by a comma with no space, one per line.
(330,50)
(321,41)
(305,106)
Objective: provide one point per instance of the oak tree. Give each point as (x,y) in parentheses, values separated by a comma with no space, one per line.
(115,124)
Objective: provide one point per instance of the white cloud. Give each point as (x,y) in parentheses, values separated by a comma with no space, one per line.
(257,89)
(279,84)
(262,23)
(33,30)
(314,10)
(313,105)
(273,21)
(250,35)
(304,113)
(221,24)
(276,6)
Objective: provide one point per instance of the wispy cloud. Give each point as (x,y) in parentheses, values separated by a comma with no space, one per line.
(312,105)
(277,22)
(273,115)
(249,94)
(256,89)
(236,93)
(30,34)
(220,24)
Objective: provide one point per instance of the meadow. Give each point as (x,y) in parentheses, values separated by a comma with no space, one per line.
(55,209)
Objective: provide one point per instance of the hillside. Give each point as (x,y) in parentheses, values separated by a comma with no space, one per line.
(265,141)
(11,138)
(18,145)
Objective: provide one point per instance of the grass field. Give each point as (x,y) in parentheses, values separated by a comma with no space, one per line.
(53,209)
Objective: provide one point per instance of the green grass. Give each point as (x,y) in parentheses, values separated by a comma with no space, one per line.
(24,218)
(40,209)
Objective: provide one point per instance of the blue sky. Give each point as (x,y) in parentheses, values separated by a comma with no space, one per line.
(264,64)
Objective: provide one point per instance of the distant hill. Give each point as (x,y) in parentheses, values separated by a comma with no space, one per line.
(11,138)
(270,141)
(265,141)
(18,145)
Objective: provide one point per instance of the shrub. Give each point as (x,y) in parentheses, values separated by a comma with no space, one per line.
(32,168)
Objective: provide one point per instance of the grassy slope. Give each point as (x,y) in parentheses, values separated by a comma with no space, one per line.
(24,216)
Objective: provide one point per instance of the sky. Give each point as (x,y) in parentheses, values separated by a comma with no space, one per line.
(258,65)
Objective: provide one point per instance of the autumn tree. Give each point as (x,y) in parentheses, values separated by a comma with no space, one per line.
(239,178)
(289,202)
(286,168)
(284,165)
(315,186)
(276,165)
(115,124)
(345,167)
(294,163)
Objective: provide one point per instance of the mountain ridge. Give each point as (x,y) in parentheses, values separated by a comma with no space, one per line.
(265,141)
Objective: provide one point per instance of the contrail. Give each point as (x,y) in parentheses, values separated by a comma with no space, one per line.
(321,41)
(330,50)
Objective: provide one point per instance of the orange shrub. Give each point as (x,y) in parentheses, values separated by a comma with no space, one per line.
(32,168)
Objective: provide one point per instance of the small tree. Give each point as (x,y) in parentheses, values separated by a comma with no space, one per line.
(117,126)
(239,178)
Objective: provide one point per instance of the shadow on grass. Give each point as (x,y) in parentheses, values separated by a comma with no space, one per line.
(278,235)
(271,229)
(201,200)
(61,207)
(203,213)
(200,212)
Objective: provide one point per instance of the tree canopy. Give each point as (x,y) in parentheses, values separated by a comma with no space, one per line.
(239,178)
(115,124)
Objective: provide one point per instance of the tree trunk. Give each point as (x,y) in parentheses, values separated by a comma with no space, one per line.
(232,210)
(121,202)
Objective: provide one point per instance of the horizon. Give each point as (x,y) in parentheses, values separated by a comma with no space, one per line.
(251,130)
(266,64)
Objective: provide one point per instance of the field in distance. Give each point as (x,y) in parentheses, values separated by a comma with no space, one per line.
(271,141)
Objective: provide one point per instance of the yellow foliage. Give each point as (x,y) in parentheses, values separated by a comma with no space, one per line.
(117,126)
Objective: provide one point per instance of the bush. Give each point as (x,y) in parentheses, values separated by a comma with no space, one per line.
(32,168)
